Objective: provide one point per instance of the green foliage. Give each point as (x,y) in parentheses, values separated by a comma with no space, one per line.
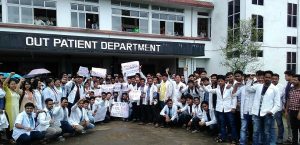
(240,50)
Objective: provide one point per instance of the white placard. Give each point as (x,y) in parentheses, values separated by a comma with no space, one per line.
(135,95)
(100,114)
(130,68)
(117,87)
(83,71)
(98,72)
(107,88)
(125,87)
(120,109)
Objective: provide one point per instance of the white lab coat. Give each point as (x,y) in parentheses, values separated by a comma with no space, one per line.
(2,93)
(3,121)
(153,91)
(213,119)
(76,114)
(165,111)
(43,120)
(50,93)
(72,93)
(23,119)
(227,101)
(58,115)
(270,102)
(177,92)
(39,100)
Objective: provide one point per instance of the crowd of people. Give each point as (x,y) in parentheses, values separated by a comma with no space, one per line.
(237,108)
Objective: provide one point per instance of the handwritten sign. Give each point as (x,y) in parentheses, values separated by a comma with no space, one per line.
(107,88)
(125,87)
(83,71)
(130,68)
(135,95)
(120,109)
(98,72)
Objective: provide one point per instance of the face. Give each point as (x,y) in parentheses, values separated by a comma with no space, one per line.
(206,82)
(182,100)
(268,78)
(275,80)
(203,74)
(287,77)
(295,81)
(27,86)
(86,105)
(177,79)
(12,85)
(155,81)
(57,83)
(213,79)
(51,84)
(137,80)
(40,84)
(64,103)
(142,82)
(108,96)
(64,80)
(238,77)
(229,78)
(221,82)
(165,78)
(50,105)
(191,85)
(170,104)
(86,85)
(197,101)
(92,101)
(260,79)
(29,110)
(205,107)
(190,101)
(150,81)
(81,104)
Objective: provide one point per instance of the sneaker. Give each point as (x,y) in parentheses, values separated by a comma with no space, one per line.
(195,131)
(83,132)
(61,139)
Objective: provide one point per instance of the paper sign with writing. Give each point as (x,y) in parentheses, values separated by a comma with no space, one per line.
(107,88)
(120,109)
(98,72)
(135,95)
(83,71)
(130,68)
(117,87)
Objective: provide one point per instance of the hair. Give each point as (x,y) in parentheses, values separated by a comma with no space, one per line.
(48,100)
(63,98)
(142,79)
(297,76)
(48,81)
(169,100)
(260,73)
(190,81)
(196,98)
(23,86)
(29,104)
(268,72)
(276,75)
(222,77)
(205,79)
(228,74)
(214,75)
(35,84)
(203,71)
(86,101)
(289,73)
(165,75)
(238,72)
(103,93)
(204,102)
(92,98)
(191,75)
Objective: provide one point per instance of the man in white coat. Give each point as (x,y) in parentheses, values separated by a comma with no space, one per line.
(79,118)
(178,86)
(148,101)
(74,91)
(165,90)
(266,104)
(45,122)
(24,132)
(169,114)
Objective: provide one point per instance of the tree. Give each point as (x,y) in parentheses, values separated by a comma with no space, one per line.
(240,52)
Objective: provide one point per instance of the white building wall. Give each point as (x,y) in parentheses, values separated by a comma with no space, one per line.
(63,13)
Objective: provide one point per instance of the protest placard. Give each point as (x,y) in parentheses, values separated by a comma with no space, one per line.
(107,88)
(117,87)
(98,72)
(130,68)
(120,109)
(135,95)
(83,71)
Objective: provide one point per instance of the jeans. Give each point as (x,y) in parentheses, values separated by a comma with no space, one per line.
(262,130)
(195,124)
(279,122)
(25,139)
(91,118)
(246,122)
(295,125)
(230,117)
(66,127)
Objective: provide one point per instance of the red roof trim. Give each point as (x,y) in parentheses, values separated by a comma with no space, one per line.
(188,3)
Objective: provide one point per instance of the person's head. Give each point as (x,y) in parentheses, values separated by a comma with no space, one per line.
(142,82)
(221,80)
(49,82)
(169,103)
(165,77)
(189,99)
(289,75)
(137,80)
(29,107)
(197,100)
(86,85)
(37,84)
(57,83)
(203,74)
(190,83)
(86,104)
(268,77)
(238,75)
(213,79)
(64,102)
(108,95)
(155,80)
(78,79)
(260,76)
(275,79)
(205,81)
(103,95)
(92,100)
(49,103)
(296,80)
(150,81)
(12,84)
(204,105)
(64,80)
(183,99)
(116,94)
(191,77)
(229,77)
(124,96)
(81,103)
(177,78)
(27,85)
(92,94)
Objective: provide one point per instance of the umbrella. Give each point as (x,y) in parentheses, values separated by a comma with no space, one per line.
(5,75)
(38,72)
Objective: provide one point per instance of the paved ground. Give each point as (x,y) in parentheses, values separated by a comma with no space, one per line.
(127,133)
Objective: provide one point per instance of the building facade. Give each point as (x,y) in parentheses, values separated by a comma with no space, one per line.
(62,35)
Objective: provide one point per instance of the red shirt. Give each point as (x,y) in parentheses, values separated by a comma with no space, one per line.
(294,99)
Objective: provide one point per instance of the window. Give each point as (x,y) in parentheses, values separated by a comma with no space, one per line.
(291,40)
(257,53)
(292,15)
(129,4)
(0,11)
(203,25)
(167,24)
(258,2)
(38,12)
(233,18)
(84,15)
(257,32)
(166,9)
(291,61)
(233,54)
(91,1)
